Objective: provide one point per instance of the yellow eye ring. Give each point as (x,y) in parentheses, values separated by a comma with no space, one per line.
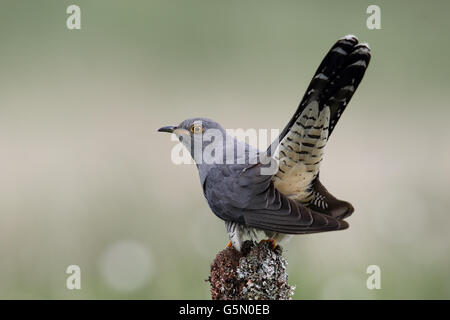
(197,128)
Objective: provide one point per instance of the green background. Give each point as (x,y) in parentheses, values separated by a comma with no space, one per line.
(85,178)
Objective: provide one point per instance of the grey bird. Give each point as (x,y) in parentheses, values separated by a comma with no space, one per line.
(290,200)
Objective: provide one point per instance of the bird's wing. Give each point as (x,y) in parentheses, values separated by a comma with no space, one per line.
(251,199)
(301,143)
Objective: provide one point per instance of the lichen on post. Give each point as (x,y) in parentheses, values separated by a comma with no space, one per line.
(258,272)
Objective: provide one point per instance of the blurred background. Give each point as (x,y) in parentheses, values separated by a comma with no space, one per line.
(85,179)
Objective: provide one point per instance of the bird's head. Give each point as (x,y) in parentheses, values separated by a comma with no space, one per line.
(196,134)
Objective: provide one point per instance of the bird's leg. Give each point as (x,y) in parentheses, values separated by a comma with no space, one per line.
(234,231)
(272,242)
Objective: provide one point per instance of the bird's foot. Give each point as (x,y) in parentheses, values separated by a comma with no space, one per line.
(230,244)
(272,243)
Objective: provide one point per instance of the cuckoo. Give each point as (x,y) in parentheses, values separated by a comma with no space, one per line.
(258,200)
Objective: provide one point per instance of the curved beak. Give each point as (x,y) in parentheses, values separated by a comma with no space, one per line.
(169,129)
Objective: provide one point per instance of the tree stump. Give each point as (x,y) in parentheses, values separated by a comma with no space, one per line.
(258,272)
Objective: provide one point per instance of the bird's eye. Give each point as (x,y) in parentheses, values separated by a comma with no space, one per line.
(197,128)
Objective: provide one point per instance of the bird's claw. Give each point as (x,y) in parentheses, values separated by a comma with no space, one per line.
(272,242)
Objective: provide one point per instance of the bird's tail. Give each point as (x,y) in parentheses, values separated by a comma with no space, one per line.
(334,82)
(338,77)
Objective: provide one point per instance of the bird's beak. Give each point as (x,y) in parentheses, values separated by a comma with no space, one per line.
(173,129)
(169,129)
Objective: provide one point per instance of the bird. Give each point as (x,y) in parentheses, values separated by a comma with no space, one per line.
(273,194)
